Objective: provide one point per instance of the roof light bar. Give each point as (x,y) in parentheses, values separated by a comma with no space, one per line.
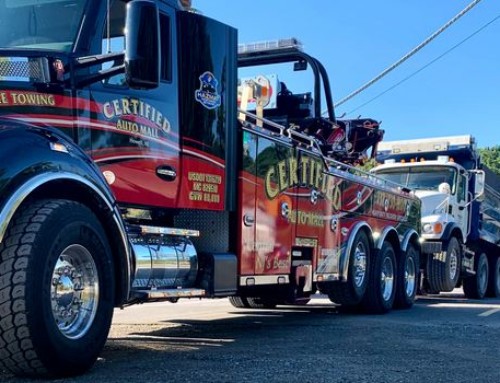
(438,144)
(270,46)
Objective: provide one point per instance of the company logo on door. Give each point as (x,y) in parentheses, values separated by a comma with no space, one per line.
(136,116)
(207,95)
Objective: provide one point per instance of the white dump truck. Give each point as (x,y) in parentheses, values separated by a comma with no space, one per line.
(460,221)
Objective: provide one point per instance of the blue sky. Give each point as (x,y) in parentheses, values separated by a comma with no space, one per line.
(357,39)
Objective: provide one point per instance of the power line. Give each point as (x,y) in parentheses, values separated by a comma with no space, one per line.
(409,54)
(425,66)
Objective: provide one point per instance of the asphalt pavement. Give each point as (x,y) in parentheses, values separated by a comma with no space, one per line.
(441,339)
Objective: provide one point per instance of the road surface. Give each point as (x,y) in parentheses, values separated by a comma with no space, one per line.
(441,339)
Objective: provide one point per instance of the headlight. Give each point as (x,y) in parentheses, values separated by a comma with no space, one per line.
(432,228)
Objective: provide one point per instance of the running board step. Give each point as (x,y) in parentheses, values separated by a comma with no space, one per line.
(168,294)
(158,230)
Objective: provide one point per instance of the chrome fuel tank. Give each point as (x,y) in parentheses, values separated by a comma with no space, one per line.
(163,261)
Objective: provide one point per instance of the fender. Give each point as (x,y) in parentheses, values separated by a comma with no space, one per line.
(380,240)
(344,256)
(44,162)
(447,232)
(408,237)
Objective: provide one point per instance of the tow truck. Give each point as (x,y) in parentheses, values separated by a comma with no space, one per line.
(128,175)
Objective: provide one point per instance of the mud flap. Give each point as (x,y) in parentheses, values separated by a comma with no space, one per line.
(468,261)
(301,277)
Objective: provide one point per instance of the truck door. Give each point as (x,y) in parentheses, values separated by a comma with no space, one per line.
(134,134)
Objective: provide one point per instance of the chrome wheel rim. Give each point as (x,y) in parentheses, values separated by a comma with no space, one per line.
(387,278)
(453,265)
(359,264)
(74,291)
(483,277)
(410,277)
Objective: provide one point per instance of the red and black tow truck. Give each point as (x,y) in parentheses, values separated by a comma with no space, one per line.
(127,175)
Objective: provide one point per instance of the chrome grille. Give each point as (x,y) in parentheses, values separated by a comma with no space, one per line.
(24,69)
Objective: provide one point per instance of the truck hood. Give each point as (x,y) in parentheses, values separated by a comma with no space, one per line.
(433,202)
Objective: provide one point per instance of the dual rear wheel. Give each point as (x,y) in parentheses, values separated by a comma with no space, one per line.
(494,278)
(377,283)
(486,281)
(392,282)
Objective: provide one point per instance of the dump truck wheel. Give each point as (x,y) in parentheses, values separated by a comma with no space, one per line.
(475,286)
(56,290)
(407,278)
(494,278)
(443,269)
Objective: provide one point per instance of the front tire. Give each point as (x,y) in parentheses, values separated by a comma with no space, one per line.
(57,290)
(444,268)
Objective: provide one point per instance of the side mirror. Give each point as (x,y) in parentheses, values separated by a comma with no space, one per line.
(142,45)
(479,182)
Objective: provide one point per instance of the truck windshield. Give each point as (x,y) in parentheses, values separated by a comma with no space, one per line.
(40,24)
(421,177)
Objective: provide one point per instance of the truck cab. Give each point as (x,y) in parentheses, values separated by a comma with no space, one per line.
(442,187)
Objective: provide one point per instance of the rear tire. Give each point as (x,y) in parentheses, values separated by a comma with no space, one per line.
(351,292)
(494,278)
(56,290)
(239,302)
(261,303)
(475,286)
(379,297)
(443,269)
(407,278)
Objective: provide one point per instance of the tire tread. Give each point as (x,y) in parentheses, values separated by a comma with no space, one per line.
(16,352)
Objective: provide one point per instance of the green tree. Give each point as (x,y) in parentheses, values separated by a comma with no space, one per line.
(491,158)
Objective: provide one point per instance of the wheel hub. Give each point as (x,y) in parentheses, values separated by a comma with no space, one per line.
(74,291)
(360,265)
(483,278)
(387,279)
(410,277)
(453,265)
